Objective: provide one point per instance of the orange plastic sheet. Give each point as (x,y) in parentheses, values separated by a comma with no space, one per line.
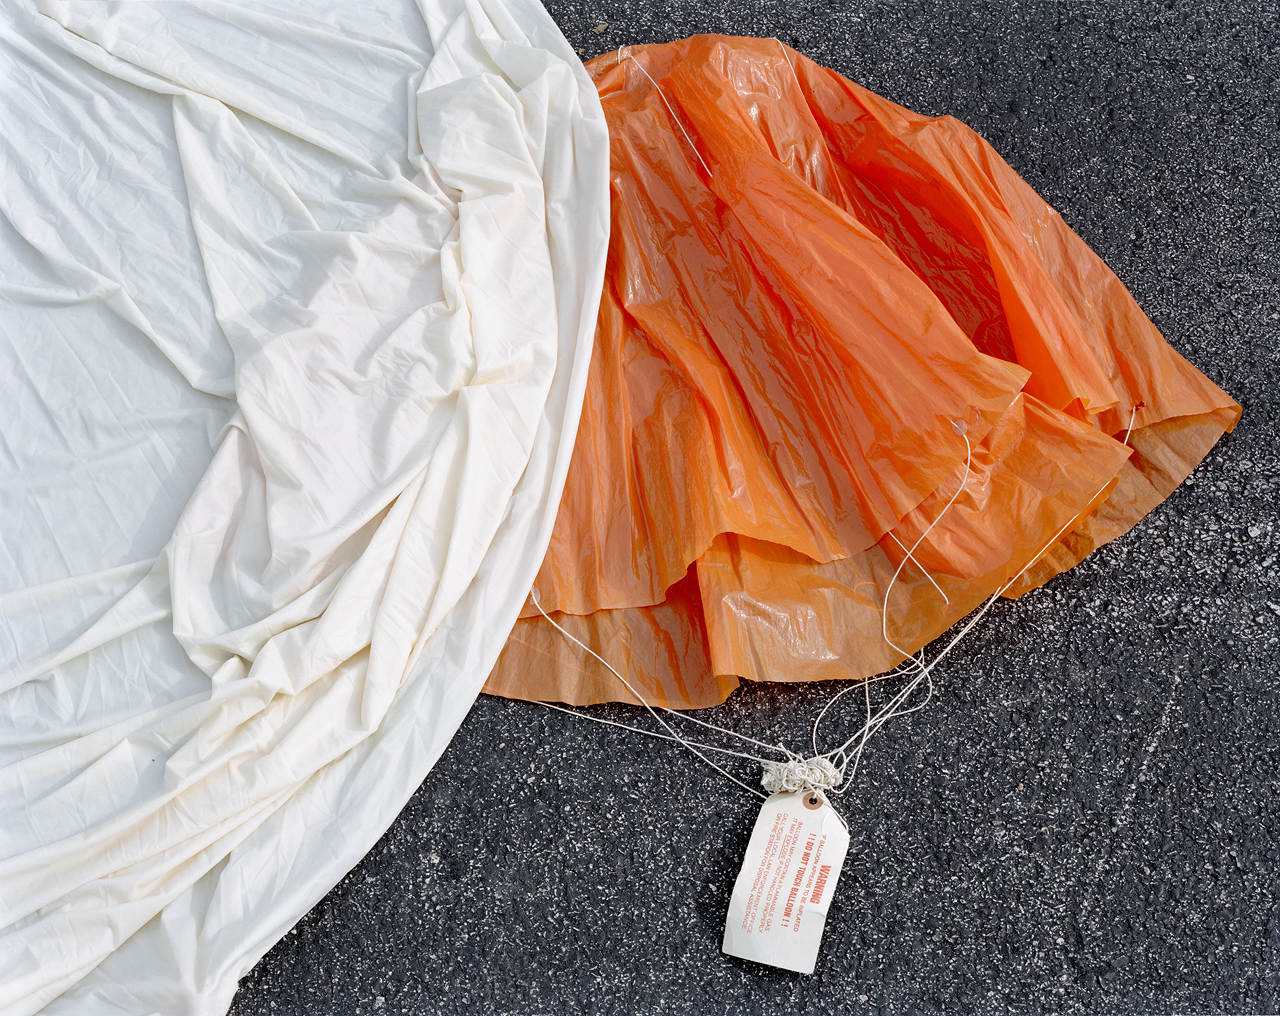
(808,288)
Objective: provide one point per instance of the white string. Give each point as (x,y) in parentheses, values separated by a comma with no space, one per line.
(783,47)
(911,558)
(796,769)
(840,756)
(893,708)
(653,712)
(533,593)
(663,96)
(831,769)
(647,733)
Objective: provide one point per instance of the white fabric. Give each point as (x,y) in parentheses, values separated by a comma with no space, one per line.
(298,304)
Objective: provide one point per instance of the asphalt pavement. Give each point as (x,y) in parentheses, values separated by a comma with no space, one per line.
(1086,817)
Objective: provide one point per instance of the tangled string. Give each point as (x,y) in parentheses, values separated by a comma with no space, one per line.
(800,774)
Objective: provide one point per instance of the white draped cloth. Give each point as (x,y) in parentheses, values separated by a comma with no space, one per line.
(298,300)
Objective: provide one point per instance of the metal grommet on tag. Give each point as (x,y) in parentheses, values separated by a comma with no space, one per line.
(812,801)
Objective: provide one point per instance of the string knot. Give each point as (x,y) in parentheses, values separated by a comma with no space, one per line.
(817,773)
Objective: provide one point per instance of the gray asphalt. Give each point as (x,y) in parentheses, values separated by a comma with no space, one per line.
(1086,818)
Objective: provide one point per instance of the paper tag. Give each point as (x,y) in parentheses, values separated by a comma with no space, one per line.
(780,901)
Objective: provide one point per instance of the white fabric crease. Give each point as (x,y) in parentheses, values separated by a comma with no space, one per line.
(298,306)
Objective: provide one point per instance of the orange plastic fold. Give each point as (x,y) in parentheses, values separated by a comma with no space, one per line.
(813,296)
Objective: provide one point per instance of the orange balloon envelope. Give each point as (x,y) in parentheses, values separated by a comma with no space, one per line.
(813,298)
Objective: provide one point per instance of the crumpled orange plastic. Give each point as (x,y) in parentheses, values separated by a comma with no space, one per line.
(809,289)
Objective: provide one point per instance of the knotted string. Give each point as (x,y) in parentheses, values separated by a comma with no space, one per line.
(818,773)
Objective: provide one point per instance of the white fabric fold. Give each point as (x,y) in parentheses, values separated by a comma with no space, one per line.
(298,304)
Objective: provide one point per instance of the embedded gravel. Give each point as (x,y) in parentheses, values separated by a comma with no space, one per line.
(1086,818)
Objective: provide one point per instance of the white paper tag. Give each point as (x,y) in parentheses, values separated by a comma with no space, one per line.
(780,901)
